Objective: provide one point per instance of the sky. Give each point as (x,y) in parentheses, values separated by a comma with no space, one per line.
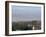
(25,13)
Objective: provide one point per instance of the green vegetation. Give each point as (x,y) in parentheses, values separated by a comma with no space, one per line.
(25,25)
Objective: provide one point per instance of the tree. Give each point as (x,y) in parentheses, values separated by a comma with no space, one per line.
(34,23)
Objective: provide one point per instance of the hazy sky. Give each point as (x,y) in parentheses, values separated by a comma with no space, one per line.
(25,13)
